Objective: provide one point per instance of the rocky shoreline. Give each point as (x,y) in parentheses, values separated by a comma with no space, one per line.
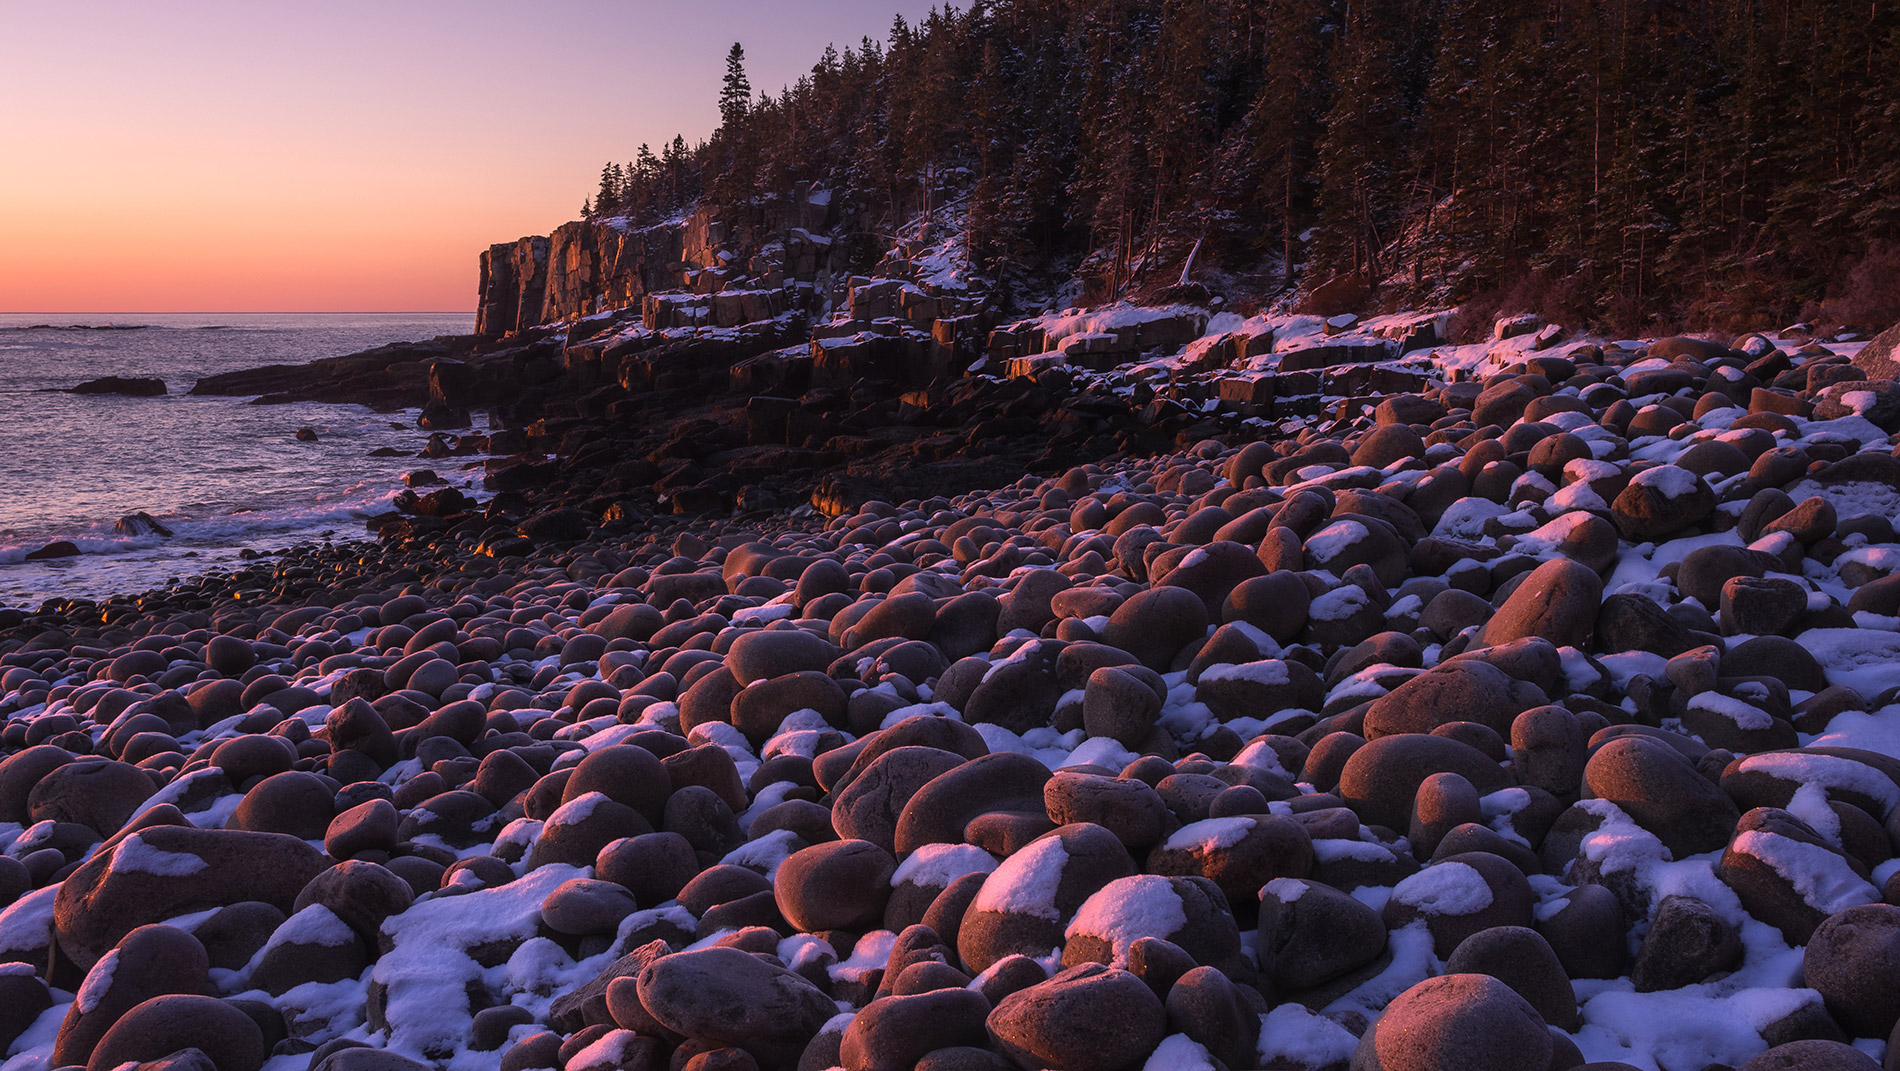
(1542,715)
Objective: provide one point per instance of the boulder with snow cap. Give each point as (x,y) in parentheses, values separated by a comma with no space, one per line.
(1461,895)
(313,945)
(924,875)
(161,872)
(1259,689)
(152,961)
(1025,904)
(1190,913)
(1788,876)
(1661,501)
(1238,853)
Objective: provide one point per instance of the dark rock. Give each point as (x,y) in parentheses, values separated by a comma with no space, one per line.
(1087,1018)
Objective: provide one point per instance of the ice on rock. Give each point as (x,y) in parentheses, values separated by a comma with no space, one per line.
(1618,844)
(27,923)
(765,853)
(1445,889)
(1334,849)
(577,809)
(1465,518)
(1877,732)
(608,1052)
(1259,755)
(871,953)
(1809,803)
(1669,481)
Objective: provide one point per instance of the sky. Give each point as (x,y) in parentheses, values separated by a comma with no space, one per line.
(337,155)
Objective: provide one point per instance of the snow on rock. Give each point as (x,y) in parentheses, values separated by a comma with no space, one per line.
(940,864)
(428,968)
(1210,834)
(1863,659)
(1822,878)
(1445,889)
(1293,1033)
(98,981)
(1669,481)
(133,854)
(1143,905)
(27,923)
(1744,715)
(1178,1052)
(1827,771)
(1878,732)
(1269,672)
(1025,883)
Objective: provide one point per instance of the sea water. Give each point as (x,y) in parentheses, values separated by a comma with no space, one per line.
(224,475)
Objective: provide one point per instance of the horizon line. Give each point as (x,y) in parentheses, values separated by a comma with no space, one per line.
(241,312)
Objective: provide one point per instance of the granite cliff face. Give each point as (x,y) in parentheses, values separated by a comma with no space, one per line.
(514,284)
(588,267)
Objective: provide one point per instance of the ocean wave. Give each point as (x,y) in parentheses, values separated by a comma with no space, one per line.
(80,327)
(219,531)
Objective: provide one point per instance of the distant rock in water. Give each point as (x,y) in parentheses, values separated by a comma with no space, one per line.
(135,386)
(138,524)
(306,435)
(60,549)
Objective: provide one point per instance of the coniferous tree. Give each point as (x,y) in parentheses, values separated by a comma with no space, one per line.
(1634,158)
(735,90)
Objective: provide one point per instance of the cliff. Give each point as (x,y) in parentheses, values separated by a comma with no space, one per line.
(587,267)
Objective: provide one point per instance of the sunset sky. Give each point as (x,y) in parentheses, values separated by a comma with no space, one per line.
(343,156)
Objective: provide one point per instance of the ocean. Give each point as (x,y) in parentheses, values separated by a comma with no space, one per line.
(224,475)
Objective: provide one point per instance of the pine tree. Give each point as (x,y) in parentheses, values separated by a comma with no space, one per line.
(735,90)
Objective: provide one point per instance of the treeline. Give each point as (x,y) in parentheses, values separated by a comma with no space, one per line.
(1624,162)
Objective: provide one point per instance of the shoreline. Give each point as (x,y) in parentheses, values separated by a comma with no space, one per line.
(1477,667)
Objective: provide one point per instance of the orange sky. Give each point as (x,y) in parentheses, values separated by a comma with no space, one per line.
(196,156)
